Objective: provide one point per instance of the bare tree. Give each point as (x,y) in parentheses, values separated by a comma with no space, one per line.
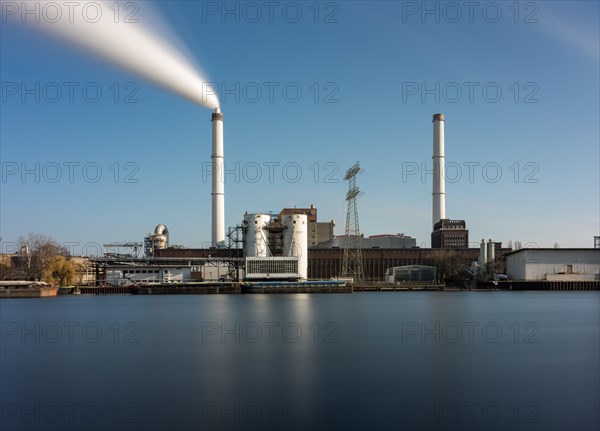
(36,253)
(6,271)
(490,269)
(448,264)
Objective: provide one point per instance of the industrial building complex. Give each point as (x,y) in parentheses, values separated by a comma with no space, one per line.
(294,251)
(294,245)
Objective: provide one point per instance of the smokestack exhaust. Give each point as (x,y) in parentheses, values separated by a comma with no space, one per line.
(439,182)
(218,180)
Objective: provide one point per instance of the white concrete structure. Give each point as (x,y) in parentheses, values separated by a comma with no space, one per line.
(218,180)
(439,182)
(491,251)
(295,240)
(256,235)
(554,264)
(483,257)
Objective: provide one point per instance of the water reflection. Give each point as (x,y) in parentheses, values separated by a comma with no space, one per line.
(357,361)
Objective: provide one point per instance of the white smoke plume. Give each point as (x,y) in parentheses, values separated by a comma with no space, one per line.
(96,27)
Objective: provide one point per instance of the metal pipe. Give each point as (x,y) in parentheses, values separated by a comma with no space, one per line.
(218,180)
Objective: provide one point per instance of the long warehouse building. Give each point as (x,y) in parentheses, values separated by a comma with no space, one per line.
(327,263)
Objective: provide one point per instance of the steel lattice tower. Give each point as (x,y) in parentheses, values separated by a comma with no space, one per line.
(352,265)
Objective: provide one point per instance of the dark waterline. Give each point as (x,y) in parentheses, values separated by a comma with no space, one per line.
(493,360)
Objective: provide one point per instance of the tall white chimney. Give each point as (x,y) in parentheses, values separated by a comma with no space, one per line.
(439,183)
(218,180)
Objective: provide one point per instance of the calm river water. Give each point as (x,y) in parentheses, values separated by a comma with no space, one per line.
(372,361)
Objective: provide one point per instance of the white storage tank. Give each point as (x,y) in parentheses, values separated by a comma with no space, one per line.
(295,240)
(491,251)
(256,235)
(161,237)
(483,256)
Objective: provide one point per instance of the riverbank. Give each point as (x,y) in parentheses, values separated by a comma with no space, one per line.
(322,286)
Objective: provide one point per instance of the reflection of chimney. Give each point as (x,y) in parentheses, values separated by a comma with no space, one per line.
(218,180)
(439,186)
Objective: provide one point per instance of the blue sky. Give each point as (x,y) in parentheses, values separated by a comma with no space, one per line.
(361,68)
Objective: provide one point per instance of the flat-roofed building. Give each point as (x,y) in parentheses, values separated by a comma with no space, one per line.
(554,264)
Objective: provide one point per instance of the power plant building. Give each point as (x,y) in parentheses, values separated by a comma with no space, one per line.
(450,234)
(327,263)
(295,245)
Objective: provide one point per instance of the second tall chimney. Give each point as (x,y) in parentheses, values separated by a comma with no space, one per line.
(439,182)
